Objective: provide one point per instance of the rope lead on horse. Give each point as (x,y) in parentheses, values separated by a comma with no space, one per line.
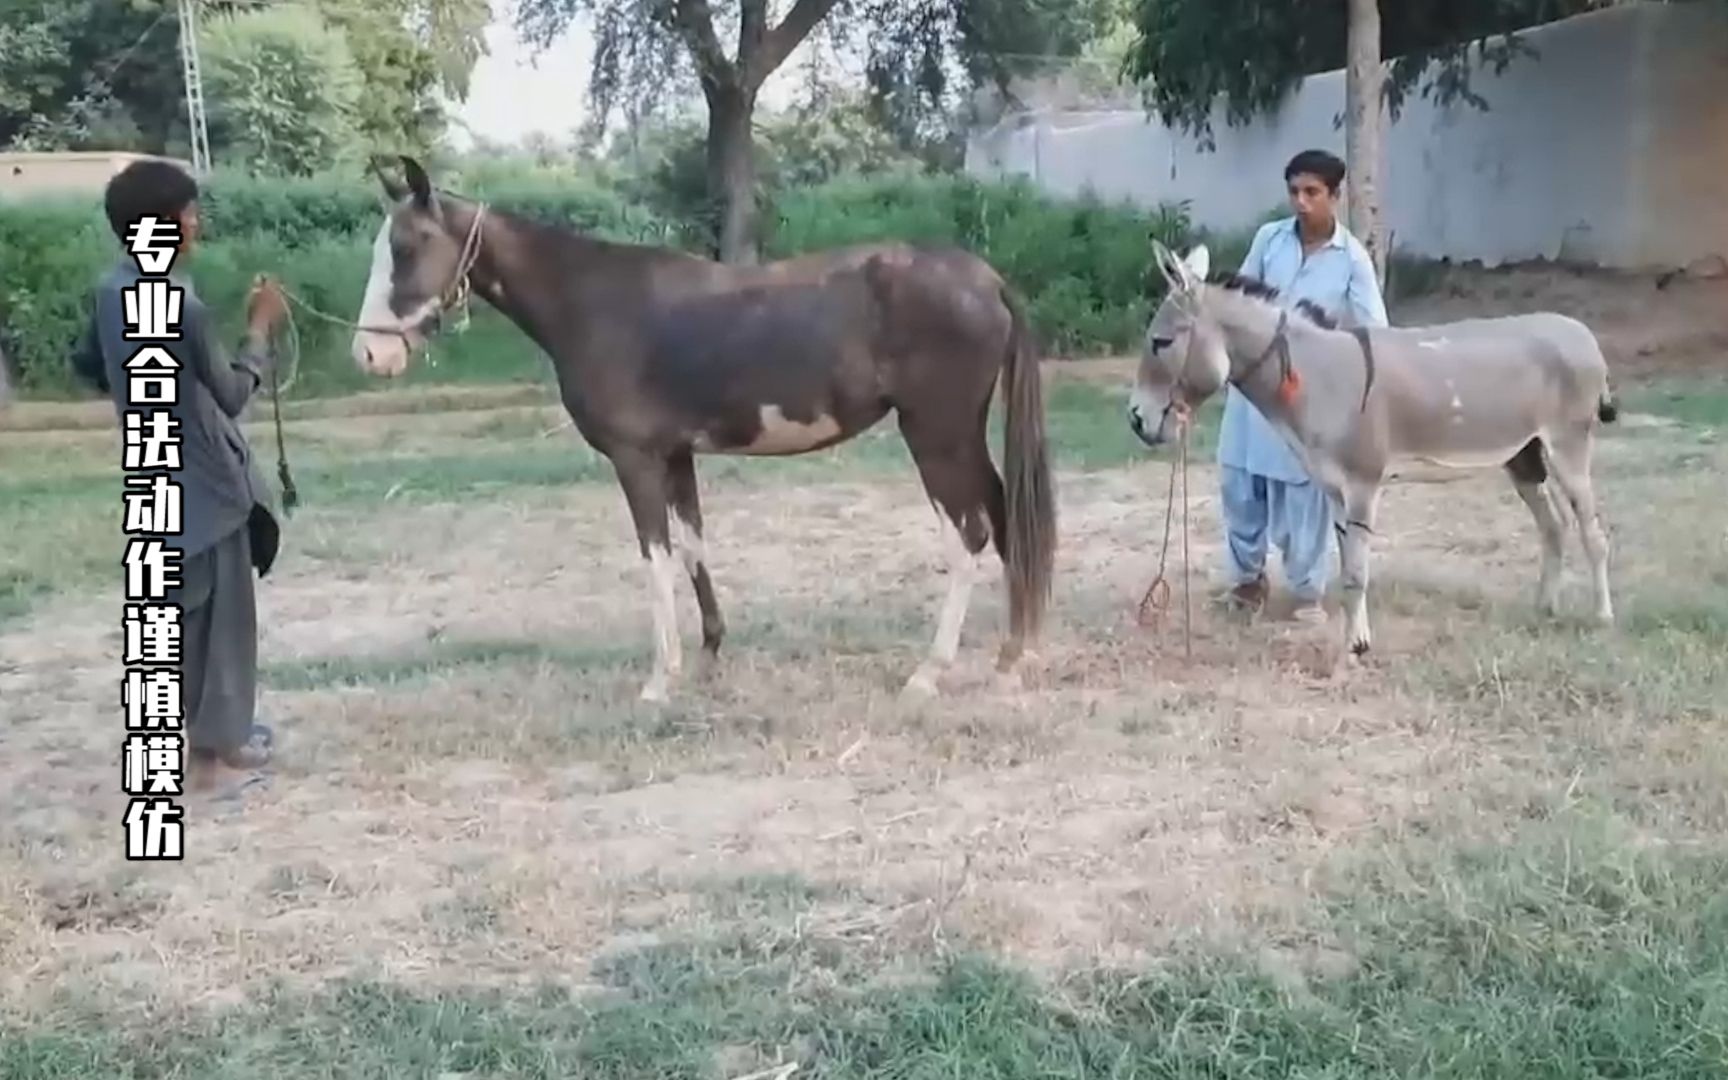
(290,497)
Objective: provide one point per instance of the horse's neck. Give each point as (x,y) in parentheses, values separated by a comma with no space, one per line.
(520,272)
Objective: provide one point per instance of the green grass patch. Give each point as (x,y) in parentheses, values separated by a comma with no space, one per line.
(1563,951)
(1700,402)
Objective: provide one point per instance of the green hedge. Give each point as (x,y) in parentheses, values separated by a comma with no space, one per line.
(1084,267)
(315,234)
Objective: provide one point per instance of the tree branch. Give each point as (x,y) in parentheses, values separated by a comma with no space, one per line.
(752,28)
(779,42)
(695,22)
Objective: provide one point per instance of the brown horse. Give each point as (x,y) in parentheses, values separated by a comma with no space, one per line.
(661,355)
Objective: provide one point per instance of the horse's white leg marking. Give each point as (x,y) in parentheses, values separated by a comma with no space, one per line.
(668,661)
(1541,505)
(688,542)
(1569,462)
(962,573)
(1360,506)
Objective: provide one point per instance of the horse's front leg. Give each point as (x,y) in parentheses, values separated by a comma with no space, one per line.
(644,478)
(1360,505)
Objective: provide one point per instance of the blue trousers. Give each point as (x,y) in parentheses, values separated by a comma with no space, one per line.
(1295,516)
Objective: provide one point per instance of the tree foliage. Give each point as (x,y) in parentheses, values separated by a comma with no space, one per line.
(1251,53)
(284,89)
(648,53)
(105,74)
(83,74)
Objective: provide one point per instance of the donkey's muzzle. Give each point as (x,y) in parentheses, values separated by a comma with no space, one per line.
(1151,436)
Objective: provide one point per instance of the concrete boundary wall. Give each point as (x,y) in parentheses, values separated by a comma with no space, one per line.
(1610,147)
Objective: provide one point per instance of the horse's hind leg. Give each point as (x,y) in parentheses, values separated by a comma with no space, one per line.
(1529,474)
(956,474)
(687,525)
(1569,461)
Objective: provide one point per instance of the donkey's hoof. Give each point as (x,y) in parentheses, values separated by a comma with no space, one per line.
(1359,645)
(655,692)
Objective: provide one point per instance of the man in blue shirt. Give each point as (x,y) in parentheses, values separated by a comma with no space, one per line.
(1267,496)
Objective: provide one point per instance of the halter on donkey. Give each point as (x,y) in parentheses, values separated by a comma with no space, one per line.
(1522,392)
(661,356)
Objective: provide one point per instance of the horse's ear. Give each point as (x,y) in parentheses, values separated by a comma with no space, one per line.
(394,188)
(418,182)
(1199,263)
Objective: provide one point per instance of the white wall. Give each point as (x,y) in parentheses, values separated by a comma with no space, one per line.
(1610,147)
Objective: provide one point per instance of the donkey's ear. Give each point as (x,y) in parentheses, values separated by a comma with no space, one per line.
(1198,263)
(418,182)
(1167,263)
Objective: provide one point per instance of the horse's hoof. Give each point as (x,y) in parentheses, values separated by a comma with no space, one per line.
(920,687)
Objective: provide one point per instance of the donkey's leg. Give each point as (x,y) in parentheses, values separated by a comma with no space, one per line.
(956,479)
(1529,474)
(1361,504)
(644,479)
(1569,459)
(687,523)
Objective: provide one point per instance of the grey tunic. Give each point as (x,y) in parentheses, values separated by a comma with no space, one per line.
(229,523)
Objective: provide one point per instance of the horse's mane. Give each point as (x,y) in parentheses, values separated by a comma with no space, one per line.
(1252,286)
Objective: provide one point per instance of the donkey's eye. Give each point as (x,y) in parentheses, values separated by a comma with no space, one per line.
(1159,344)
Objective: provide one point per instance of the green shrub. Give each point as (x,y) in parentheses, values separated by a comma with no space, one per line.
(1084,266)
(50,256)
(315,233)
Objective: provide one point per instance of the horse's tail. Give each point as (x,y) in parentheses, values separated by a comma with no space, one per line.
(1031,541)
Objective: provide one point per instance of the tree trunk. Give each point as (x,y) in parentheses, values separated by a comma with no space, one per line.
(1363,80)
(732,173)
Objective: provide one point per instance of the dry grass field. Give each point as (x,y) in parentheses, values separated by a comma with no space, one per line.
(1495,848)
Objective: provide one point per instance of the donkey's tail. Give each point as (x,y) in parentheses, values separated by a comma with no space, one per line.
(1607,409)
(1030,495)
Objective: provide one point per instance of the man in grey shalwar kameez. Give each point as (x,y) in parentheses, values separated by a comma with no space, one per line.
(229,526)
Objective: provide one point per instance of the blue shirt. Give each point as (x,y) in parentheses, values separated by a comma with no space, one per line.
(1339,278)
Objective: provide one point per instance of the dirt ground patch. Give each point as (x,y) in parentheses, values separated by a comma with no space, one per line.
(1649,324)
(469,791)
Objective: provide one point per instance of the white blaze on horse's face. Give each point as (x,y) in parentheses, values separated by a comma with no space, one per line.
(400,299)
(375,352)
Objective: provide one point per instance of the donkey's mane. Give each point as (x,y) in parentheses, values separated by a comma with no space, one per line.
(1253,286)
